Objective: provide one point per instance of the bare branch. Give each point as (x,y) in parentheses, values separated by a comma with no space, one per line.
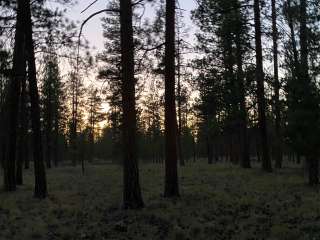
(81,29)
(89,6)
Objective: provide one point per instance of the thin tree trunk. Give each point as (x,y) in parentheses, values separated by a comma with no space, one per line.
(56,140)
(23,132)
(27,158)
(278,136)
(12,99)
(181,159)
(74,126)
(313,168)
(92,140)
(209,150)
(298,159)
(245,158)
(171,174)
(40,190)
(312,156)
(132,197)
(266,161)
(49,130)
(194,149)
(293,42)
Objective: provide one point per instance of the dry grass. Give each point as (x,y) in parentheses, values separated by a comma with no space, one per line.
(218,202)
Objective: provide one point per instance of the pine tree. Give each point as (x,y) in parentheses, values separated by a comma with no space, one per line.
(224,38)
(12,98)
(302,92)
(275,37)
(171,173)
(266,161)
(131,192)
(52,97)
(40,190)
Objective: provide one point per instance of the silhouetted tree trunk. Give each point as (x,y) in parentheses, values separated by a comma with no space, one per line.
(27,158)
(12,99)
(48,128)
(181,159)
(23,133)
(313,165)
(131,192)
(266,161)
(311,155)
(209,150)
(74,141)
(56,140)
(171,176)
(245,158)
(296,70)
(194,149)
(298,158)
(40,190)
(278,136)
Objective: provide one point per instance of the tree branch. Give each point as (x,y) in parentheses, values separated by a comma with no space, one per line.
(84,23)
(89,6)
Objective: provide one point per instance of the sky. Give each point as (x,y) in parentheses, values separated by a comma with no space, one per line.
(93,30)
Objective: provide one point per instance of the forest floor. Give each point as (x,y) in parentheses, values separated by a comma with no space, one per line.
(217,202)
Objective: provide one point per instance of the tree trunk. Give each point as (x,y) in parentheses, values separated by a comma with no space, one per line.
(313,168)
(209,150)
(23,132)
(40,190)
(131,192)
(293,42)
(12,99)
(74,125)
(312,154)
(91,156)
(245,158)
(171,176)
(48,130)
(194,149)
(278,136)
(298,159)
(266,161)
(181,159)
(56,140)
(27,158)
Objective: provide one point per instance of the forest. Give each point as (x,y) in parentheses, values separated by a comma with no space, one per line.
(192,119)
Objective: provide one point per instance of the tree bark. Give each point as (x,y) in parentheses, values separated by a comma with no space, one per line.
(245,158)
(171,174)
(12,99)
(23,132)
(278,136)
(266,161)
(312,154)
(132,198)
(40,190)
(181,159)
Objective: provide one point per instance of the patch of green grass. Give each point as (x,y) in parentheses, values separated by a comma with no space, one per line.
(217,202)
